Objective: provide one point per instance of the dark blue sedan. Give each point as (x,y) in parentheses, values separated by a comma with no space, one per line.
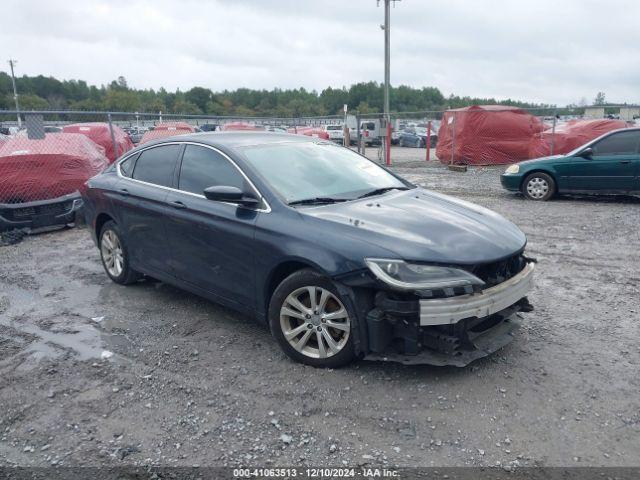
(417,137)
(341,257)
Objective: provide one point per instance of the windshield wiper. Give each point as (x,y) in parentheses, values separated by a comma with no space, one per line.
(317,201)
(380,191)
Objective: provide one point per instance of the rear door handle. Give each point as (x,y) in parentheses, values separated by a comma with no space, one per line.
(124,191)
(177,204)
(624,162)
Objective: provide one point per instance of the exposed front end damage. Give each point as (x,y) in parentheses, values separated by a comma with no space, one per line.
(452,328)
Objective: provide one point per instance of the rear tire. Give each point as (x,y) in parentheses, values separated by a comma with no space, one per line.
(115,256)
(311,322)
(539,186)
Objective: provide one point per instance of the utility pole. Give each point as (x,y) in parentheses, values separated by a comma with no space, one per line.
(387,75)
(387,56)
(15,92)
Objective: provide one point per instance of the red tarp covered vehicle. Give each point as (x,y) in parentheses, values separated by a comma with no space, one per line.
(240,126)
(310,132)
(167,129)
(570,136)
(44,169)
(101,134)
(40,179)
(486,135)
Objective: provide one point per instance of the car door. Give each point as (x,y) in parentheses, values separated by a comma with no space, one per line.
(140,202)
(611,167)
(211,242)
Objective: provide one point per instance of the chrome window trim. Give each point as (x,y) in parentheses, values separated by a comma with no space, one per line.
(251,184)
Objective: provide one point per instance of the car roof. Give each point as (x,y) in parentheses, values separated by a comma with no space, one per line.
(236,139)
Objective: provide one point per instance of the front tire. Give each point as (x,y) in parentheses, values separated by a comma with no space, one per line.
(115,256)
(539,186)
(311,322)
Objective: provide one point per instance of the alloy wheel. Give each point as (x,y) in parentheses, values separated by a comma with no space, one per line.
(112,254)
(537,187)
(315,322)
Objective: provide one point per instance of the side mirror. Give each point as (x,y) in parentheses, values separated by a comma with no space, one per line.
(230,194)
(586,153)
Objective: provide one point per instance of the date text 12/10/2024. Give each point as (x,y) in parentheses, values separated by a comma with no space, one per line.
(363,472)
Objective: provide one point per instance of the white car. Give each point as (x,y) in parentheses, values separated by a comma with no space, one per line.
(335,132)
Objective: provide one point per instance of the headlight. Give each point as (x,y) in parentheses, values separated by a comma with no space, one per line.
(411,276)
(512,169)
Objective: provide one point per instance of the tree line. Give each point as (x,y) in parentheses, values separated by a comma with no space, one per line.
(48,93)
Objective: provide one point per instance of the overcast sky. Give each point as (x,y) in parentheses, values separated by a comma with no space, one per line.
(553,51)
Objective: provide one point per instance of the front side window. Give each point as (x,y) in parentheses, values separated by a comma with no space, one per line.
(202,168)
(156,165)
(299,171)
(620,143)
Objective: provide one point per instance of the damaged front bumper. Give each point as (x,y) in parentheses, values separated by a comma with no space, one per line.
(448,331)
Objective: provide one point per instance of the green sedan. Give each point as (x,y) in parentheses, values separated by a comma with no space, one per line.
(609,164)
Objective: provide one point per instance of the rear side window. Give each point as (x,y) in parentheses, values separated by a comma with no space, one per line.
(156,165)
(618,144)
(203,168)
(126,166)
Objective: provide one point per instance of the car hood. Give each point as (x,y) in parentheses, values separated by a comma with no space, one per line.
(541,160)
(421,225)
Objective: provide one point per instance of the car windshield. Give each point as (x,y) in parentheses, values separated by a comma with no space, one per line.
(307,170)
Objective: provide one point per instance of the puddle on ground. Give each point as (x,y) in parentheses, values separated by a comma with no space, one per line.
(49,323)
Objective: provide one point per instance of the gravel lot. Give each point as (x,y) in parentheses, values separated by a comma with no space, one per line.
(98,374)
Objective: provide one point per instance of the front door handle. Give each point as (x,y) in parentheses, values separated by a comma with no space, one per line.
(124,191)
(177,204)
(625,162)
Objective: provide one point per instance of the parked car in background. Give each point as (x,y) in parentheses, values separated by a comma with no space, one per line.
(335,132)
(241,126)
(136,133)
(370,132)
(610,164)
(395,136)
(272,128)
(341,257)
(317,132)
(40,179)
(100,133)
(167,129)
(52,129)
(417,137)
(209,127)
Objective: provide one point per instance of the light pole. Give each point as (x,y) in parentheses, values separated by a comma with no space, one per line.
(15,92)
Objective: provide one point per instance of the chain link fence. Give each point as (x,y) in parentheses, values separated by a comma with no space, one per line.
(47,156)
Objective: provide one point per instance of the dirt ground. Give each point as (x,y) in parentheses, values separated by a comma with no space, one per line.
(93,373)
